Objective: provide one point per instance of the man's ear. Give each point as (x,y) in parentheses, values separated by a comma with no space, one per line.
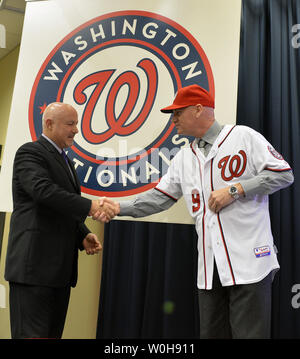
(49,124)
(199,110)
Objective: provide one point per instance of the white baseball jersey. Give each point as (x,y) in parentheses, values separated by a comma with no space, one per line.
(238,237)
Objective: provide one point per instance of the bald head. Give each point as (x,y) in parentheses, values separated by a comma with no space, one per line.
(56,110)
(60,123)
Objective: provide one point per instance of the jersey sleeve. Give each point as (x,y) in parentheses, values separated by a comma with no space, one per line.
(170,183)
(264,157)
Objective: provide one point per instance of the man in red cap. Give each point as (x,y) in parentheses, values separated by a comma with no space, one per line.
(225,176)
(188,96)
(188,100)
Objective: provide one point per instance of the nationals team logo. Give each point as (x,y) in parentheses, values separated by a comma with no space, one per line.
(233,166)
(275,154)
(118,70)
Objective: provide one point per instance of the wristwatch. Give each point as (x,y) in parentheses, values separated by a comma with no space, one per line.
(233,191)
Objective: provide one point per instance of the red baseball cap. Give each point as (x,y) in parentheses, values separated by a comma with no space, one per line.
(188,96)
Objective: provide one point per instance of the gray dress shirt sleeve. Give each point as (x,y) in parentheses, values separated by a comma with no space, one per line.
(267,182)
(146,204)
(153,201)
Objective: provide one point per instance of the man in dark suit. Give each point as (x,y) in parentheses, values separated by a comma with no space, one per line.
(47,228)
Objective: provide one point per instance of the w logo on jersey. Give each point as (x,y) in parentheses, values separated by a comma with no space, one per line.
(233,166)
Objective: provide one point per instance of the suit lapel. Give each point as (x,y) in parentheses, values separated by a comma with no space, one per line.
(61,162)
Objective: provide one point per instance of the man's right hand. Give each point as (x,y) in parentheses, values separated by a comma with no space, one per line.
(104,209)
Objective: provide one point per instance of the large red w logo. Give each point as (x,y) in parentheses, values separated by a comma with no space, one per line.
(236,165)
(116,126)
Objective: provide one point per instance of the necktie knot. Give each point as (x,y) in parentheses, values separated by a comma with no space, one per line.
(202,143)
(204,147)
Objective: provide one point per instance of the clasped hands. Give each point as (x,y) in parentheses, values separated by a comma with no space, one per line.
(104,209)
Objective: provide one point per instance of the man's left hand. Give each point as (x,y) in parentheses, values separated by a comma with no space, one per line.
(91,244)
(221,198)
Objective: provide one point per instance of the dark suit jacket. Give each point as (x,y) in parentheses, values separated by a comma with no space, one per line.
(47,223)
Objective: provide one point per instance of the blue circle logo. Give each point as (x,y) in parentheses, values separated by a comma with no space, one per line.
(118,70)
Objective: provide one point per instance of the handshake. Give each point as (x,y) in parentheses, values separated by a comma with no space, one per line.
(104,209)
